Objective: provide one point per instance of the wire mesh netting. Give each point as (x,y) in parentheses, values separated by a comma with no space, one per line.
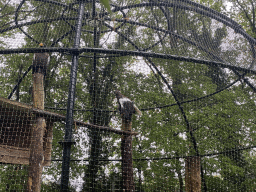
(152,96)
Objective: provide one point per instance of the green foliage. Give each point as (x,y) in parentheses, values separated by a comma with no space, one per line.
(13,177)
(106,5)
(53,187)
(221,122)
(244,13)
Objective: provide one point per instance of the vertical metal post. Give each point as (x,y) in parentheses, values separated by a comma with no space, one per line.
(70,104)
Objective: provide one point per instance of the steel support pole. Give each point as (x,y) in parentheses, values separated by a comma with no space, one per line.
(70,104)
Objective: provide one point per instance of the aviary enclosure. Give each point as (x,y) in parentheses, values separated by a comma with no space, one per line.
(189,69)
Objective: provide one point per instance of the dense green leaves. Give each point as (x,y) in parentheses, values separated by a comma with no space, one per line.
(106,4)
(221,122)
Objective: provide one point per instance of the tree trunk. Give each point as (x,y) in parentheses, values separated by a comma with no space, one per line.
(192,175)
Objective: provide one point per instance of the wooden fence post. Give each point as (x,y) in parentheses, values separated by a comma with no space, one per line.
(36,160)
(192,174)
(126,152)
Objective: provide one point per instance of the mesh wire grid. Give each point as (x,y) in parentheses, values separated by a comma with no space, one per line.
(188,68)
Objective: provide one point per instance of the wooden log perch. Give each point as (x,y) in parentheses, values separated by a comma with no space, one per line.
(53,117)
(58,117)
(192,174)
(38,90)
(126,152)
(36,156)
(36,159)
(48,144)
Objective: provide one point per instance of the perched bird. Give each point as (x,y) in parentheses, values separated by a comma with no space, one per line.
(40,62)
(126,106)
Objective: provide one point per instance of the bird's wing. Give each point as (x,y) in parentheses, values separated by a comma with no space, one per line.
(128,110)
(137,110)
(48,60)
(125,99)
(122,100)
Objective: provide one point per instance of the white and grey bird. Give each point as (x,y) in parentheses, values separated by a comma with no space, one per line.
(40,62)
(126,106)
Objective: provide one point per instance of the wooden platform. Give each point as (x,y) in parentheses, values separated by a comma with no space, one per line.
(16,124)
(14,155)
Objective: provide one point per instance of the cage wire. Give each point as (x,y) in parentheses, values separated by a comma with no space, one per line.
(155,96)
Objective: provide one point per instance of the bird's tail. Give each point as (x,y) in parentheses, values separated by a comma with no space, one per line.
(137,110)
